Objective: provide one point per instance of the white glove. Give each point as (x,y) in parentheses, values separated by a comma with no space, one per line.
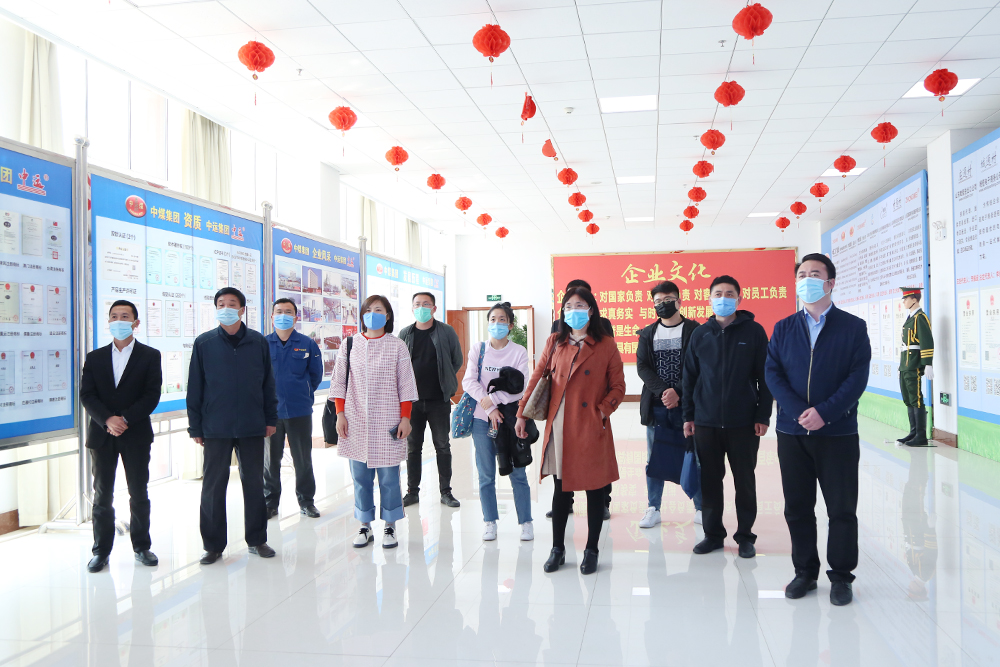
(929,372)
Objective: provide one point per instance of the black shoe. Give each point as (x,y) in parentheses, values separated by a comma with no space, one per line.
(747,550)
(449,500)
(272,512)
(147,557)
(556,558)
(607,514)
(799,586)
(841,593)
(410,499)
(210,557)
(262,550)
(97,563)
(548,515)
(911,415)
(310,511)
(920,439)
(708,545)
(589,563)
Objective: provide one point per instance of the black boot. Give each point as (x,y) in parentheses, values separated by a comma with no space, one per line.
(920,439)
(911,414)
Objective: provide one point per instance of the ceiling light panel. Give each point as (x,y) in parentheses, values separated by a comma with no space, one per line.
(268,15)
(619,45)
(831,173)
(627,104)
(960,88)
(634,180)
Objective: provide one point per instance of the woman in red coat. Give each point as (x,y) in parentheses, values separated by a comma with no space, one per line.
(588,384)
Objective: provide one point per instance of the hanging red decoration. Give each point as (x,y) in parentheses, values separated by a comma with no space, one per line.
(548,150)
(729,93)
(819,190)
(343,119)
(592,229)
(256,57)
(463,204)
(697,194)
(586,215)
(435,181)
(782,223)
(702,169)
(844,164)
(884,133)
(686,226)
(528,110)
(713,139)
(691,212)
(484,219)
(502,232)
(798,208)
(396,156)
(752,21)
(491,41)
(940,82)
(568,176)
(577,199)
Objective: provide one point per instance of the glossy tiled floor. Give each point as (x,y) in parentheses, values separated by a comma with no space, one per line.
(928,588)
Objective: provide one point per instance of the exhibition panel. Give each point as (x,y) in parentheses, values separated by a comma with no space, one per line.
(399,281)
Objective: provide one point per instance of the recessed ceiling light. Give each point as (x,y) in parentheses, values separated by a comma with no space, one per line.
(765,214)
(649,219)
(963,86)
(627,180)
(830,173)
(634,103)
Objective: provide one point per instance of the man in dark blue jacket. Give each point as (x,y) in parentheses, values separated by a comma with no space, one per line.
(817,369)
(232,405)
(298,370)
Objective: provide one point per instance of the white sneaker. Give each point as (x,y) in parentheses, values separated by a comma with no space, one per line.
(527,532)
(364,537)
(697,517)
(490,532)
(650,518)
(389,540)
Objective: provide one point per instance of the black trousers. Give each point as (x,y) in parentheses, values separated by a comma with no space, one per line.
(299,431)
(104,465)
(833,462)
(561,503)
(740,446)
(607,497)
(250,456)
(438,415)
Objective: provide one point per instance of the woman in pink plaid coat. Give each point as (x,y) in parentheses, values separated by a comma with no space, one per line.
(373,417)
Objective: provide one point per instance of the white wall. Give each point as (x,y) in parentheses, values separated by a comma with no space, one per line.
(11,79)
(520,268)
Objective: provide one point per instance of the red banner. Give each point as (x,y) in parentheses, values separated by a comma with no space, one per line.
(621,284)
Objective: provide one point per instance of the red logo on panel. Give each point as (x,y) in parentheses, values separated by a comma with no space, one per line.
(286,245)
(135,206)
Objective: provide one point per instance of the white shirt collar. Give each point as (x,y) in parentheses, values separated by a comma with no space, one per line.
(129,347)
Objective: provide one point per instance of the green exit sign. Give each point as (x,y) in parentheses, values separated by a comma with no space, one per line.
(945,399)
(493,297)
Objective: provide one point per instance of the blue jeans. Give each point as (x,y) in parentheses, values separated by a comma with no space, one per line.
(390,497)
(486,465)
(654,487)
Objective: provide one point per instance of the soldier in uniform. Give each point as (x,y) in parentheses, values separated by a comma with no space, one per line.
(914,364)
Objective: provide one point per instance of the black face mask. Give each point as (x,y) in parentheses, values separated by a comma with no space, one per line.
(666,309)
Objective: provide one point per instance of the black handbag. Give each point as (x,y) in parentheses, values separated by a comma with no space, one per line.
(330,410)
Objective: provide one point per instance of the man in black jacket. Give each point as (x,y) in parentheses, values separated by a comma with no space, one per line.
(232,405)
(727,408)
(659,361)
(120,388)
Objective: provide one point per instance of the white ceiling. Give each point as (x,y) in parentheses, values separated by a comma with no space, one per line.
(821,77)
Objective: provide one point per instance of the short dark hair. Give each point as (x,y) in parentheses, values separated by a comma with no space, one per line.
(595,329)
(123,302)
(831,270)
(578,283)
(508,311)
(285,300)
(230,290)
(727,280)
(389,317)
(666,287)
(433,300)
(915,296)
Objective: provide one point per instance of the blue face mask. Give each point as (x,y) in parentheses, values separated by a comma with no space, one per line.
(374,321)
(227,316)
(422,314)
(284,321)
(810,290)
(120,329)
(499,331)
(577,319)
(723,307)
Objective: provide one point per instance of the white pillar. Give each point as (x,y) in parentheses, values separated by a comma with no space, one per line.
(329,202)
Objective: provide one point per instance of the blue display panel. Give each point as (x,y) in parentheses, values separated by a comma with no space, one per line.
(169,257)
(398,282)
(36,296)
(876,251)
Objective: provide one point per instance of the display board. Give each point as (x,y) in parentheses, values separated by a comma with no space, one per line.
(399,282)
(976,183)
(324,281)
(36,296)
(621,284)
(169,257)
(876,251)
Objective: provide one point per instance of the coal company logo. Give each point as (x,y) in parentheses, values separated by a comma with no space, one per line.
(36,187)
(378,269)
(852,231)
(135,206)
(286,245)
(842,236)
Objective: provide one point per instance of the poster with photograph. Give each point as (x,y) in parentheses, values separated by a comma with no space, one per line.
(398,282)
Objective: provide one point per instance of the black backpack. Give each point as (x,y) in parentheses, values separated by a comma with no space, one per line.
(330,411)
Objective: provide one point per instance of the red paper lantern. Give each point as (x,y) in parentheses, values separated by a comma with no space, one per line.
(484,219)
(713,139)
(528,110)
(586,215)
(491,41)
(686,226)
(844,164)
(884,133)
(435,181)
(781,223)
(798,208)
(343,119)
(592,229)
(463,204)
(396,156)
(577,199)
(568,176)
(940,82)
(702,169)
(548,150)
(691,212)
(256,57)
(729,93)
(697,194)
(502,232)
(752,21)
(819,190)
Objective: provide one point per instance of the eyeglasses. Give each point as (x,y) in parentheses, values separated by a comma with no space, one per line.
(569,309)
(666,299)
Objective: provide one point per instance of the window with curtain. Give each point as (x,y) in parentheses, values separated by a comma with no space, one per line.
(205,165)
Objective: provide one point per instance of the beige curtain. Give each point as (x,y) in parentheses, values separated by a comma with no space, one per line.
(41,124)
(369,224)
(206,171)
(413,252)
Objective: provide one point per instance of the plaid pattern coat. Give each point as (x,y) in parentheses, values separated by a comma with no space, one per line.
(381,379)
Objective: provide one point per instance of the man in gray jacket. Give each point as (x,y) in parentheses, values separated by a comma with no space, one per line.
(436,355)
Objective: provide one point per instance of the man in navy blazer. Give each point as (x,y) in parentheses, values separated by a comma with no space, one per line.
(120,388)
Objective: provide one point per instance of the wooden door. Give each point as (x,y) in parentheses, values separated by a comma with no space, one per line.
(459,320)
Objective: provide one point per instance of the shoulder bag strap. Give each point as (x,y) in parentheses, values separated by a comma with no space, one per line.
(482,353)
(347,377)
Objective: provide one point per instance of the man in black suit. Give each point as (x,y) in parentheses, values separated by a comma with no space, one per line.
(120,389)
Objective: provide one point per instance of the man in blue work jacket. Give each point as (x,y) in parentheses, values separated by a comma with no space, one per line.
(298,370)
